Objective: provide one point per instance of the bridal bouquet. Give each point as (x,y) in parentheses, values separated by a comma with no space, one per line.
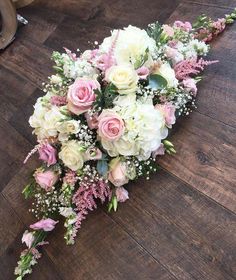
(105,117)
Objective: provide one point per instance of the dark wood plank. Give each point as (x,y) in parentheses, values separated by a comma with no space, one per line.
(29,60)
(10,225)
(215,3)
(20,119)
(14,90)
(103,251)
(13,149)
(117,13)
(41,23)
(205,158)
(181,228)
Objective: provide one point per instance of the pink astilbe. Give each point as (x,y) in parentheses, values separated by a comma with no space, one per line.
(70,178)
(58,100)
(84,198)
(70,54)
(105,61)
(184,69)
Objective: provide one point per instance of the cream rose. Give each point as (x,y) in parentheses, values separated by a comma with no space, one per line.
(124,77)
(72,155)
(66,128)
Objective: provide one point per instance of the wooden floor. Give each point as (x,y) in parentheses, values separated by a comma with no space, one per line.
(179,225)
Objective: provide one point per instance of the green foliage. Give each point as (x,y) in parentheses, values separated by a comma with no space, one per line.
(105,98)
(113,204)
(169,147)
(29,190)
(231,18)
(102,166)
(202,21)
(142,60)
(154,30)
(157,82)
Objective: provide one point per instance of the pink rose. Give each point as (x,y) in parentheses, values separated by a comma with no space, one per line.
(92,121)
(93,154)
(44,224)
(110,125)
(168,110)
(47,153)
(28,238)
(143,72)
(121,194)
(117,174)
(190,85)
(186,26)
(168,30)
(81,95)
(159,151)
(46,179)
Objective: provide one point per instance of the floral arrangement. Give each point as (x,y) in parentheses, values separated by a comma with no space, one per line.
(105,117)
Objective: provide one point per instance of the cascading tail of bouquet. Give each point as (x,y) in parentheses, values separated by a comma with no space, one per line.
(106,116)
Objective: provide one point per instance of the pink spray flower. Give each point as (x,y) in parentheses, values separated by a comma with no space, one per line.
(46,179)
(121,194)
(185,26)
(168,110)
(81,95)
(47,153)
(28,238)
(168,30)
(143,72)
(44,224)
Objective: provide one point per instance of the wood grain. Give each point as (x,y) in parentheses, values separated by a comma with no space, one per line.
(179,225)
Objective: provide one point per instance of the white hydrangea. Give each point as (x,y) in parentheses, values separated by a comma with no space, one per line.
(45,119)
(78,68)
(144,130)
(131,44)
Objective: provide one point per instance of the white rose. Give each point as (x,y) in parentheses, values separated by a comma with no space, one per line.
(72,155)
(131,45)
(51,120)
(66,128)
(123,77)
(168,73)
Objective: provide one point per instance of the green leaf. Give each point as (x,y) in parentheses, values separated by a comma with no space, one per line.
(102,167)
(115,203)
(29,190)
(157,81)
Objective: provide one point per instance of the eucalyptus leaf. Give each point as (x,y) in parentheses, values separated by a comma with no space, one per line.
(157,81)
(102,167)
